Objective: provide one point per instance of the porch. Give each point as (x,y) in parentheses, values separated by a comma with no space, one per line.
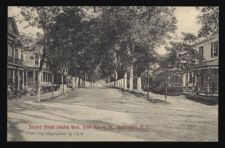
(202,80)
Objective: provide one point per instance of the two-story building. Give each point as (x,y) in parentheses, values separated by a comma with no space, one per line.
(32,62)
(15,66)
(202,79)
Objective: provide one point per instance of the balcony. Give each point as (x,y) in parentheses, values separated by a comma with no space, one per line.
(14,60)
(214,62)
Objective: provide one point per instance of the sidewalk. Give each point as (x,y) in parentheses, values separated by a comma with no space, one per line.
(45,96)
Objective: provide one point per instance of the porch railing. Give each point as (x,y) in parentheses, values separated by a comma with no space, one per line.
(208,63)
(14,60)
(18,61)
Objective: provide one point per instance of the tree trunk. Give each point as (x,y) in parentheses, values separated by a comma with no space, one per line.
(187,79)
(108,81)
(139,84)
(125,81)
(76,82)
(73,83)
(84,79)
(115,82)
(52,84)
(40,72)
(131,78)
(62,83)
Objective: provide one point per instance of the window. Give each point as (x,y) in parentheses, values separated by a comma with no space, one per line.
(214,49)
(190,78)
(22,56)
(201,51)
(36,76)
(44,76)
(9,75)
(10,50)
(36,59)
(16,54)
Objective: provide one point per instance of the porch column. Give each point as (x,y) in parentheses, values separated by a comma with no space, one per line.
(184,80)
(198,80)
(46,77)
(13,74)
(125,81)
(187,79)
(26,78)
(23,79)
(18,79)
(139,84)
(34,78)
(131,78)
(42,76)
(193,82)
(208,82)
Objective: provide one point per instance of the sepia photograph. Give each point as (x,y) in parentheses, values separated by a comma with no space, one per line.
(113,73)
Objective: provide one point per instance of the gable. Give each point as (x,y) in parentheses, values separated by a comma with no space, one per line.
(12,28)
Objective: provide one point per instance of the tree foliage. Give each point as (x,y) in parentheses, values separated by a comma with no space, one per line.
(101,39)
(209,20)
(182,55)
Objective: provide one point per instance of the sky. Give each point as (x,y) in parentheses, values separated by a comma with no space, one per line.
(186,22)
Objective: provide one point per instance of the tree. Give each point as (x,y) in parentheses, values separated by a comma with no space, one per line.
(136,25)
(189,38)
(41,17)
(181,57)
(75,36)
(209,20)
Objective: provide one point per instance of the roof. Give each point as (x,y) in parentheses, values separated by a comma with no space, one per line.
(14,30)
(206,40)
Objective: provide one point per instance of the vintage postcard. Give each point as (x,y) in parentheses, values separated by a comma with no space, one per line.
(112,73)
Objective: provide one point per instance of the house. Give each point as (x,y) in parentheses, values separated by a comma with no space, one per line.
(15,59)
(171,77)
(202,79)
(32,62)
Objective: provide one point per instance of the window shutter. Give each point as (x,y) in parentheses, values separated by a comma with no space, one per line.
(212,50)
(216,48)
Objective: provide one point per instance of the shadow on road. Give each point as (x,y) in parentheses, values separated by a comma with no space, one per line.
(14,132)
(143,96)
(157,101)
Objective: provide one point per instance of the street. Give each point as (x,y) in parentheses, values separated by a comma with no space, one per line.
(107,114)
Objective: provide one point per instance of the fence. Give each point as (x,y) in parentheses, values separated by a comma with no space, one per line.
(141,85)
(123,83)
(47,92)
